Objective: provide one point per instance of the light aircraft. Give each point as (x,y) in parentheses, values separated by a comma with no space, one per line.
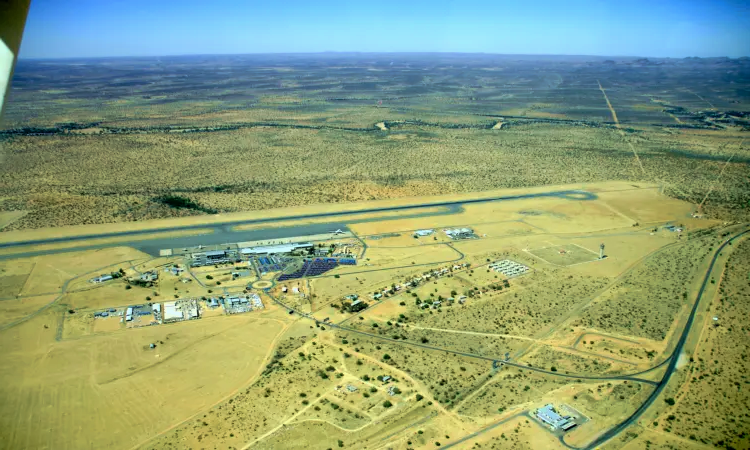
(337,232)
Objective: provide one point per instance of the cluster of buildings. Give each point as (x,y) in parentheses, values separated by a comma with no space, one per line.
(554,419)
(213,257)
(436,303)
(230,255)
(241,304)
(460,233)
(509,268)
(437,273)
(137,311)
(179,310)
(146,279)
(105,313)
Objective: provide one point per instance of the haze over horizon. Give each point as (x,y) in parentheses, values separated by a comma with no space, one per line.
(641,28)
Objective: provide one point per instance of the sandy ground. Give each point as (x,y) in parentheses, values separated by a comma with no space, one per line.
(115,383)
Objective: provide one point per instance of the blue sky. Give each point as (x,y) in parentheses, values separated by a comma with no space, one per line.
(656,28)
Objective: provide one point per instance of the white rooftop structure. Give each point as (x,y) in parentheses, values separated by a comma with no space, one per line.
(424,232)
(171,311)
(101,279)
(508,267)
(548,415)
(268,249)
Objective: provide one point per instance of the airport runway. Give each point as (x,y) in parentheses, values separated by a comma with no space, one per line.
(224,233)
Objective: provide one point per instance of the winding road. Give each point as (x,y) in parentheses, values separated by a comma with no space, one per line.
(673,358)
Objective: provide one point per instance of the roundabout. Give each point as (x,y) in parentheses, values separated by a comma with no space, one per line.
(262,284)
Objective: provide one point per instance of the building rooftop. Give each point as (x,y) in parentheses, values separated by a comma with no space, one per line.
(283,248)
(548,414)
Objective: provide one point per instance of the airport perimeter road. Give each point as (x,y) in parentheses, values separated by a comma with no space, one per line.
(673,358)
(225,228)
(485,429)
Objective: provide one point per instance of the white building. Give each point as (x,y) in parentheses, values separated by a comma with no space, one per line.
(171,312)
(275,249)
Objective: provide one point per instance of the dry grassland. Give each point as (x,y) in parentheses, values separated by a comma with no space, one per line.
(509,389)
(447,377)
(622,251)
(395,257)
(317,435)
(639,352)
(15,309)
(565,254)
(573,217)
(519,434)
(301,375)
(566,361)
(637,205)
(103,183)
(710,407)
(330,410)
(50,272)
(13,276)
(471,342)
(646,302)
(522,313)
(115,385)
(654,440)
(605,404)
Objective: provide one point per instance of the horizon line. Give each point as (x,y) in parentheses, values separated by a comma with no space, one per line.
(332,52)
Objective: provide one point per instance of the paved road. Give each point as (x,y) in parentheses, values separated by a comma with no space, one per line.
(223,231)
(485,429)
(673,358)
